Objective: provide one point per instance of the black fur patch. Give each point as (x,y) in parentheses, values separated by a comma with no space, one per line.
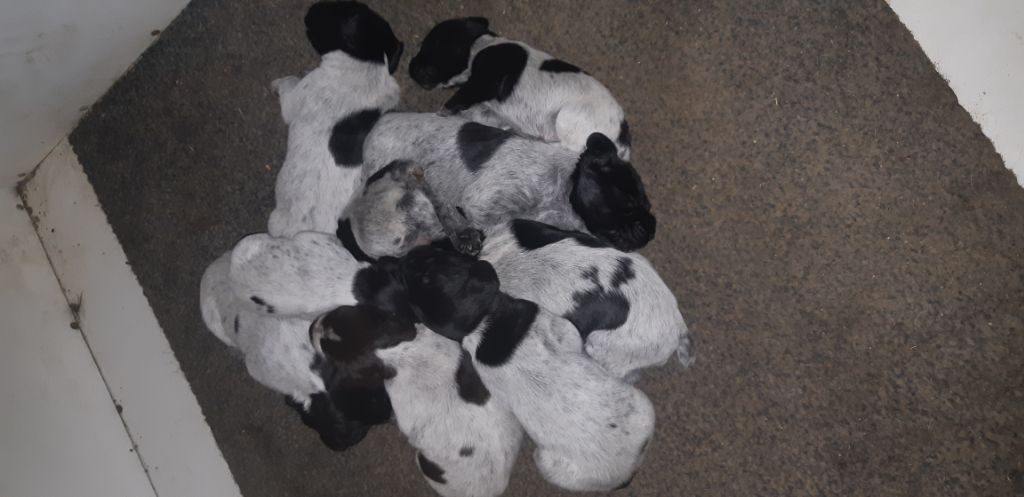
(596,309)
(370,406)
(624,272)
(444,52)
(493,76)
(236,323)
(261,302)
(471,387)
(381,286)
(599,308)
(355,29)
(348,240)
(478,143)
(556,65)
(348,136)
(506,326)
(625,139)
(336,431)
(532,235)
(430,469)
(466,451)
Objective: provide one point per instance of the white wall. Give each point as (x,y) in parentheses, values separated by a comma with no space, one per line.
(978,46)
(57,56)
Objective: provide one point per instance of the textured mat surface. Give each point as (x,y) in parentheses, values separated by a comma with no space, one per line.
(843,240)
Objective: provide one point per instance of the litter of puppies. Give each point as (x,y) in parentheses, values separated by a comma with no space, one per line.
(469,272)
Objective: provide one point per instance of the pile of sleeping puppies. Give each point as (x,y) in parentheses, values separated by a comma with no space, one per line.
(470,272)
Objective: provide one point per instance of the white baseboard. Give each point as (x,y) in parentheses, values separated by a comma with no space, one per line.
(157,406)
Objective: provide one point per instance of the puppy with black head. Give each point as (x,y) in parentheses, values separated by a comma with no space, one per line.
(507,83)
(590,428)
(466,440)
(278,355)
(492,176)
(329,112)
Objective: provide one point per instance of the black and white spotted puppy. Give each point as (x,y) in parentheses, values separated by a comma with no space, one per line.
(278,355)
(628,318)
(591,429)
(492,176)
(308,275)
(466,441)
(329,112)
(507,83)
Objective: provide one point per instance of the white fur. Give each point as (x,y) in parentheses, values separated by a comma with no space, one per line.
(311,189)
(590,429)
(522,179)
(438,423)
(277,351)
(306,275)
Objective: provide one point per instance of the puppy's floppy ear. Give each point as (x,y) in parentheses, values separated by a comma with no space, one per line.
(477,25)
(394,54)
(353,28)
(598,144)
(483,280)
(364,370)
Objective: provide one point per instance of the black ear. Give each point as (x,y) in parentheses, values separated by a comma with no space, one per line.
(364,370)
(354,29)
(483,280)
(477,25)
(349,135)
(395,56)
(598,144)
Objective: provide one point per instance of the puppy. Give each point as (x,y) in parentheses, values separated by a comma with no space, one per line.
(278,355)
(391,215)
(507,83)
(329,112)
(308,275)
(627,316)
(492,176)
(591,429)
(466,441)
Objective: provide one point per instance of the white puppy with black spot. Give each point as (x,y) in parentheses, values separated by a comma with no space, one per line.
(329,111)
(466,440)
(507,83)
(278,355)
(591,429)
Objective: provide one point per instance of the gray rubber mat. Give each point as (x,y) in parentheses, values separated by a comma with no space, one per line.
(844,241)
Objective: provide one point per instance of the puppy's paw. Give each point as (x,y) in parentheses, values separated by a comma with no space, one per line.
(469,241)
(284,85)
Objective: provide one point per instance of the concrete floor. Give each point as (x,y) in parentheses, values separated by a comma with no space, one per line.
(843,240)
